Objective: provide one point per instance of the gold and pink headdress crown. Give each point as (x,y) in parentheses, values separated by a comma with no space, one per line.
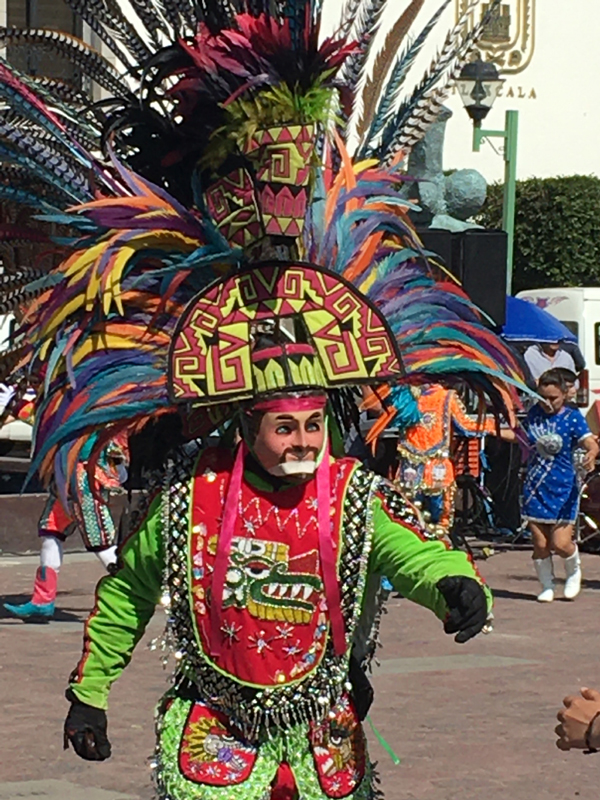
(277,327)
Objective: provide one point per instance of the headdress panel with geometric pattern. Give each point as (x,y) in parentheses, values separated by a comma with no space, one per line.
(269,196)
(279,327)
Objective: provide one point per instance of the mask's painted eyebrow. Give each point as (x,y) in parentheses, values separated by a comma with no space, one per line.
(288,417)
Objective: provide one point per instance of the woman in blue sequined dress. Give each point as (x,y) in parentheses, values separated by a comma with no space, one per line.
(551,489)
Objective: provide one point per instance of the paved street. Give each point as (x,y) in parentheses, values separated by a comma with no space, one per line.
(473,722)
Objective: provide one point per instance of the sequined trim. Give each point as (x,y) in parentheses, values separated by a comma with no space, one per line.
(398,506)
(366,637)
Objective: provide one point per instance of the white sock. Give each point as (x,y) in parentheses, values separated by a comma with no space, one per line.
(51,553)
(108,556)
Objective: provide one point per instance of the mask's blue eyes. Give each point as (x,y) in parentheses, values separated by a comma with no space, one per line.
(310,427)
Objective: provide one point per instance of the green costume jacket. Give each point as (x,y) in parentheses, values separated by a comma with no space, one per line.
(276,693)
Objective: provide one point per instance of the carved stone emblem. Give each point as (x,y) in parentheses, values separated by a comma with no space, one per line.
(509,37)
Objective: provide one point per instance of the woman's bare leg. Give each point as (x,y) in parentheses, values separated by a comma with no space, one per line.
(561,540)
(541,536)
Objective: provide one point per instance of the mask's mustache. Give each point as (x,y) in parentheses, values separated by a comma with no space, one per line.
(288,468)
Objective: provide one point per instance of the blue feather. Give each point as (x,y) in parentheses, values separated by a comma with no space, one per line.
(21,196)
(21,104)
(16,157)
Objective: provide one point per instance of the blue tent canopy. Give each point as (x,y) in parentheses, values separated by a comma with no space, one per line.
(526,322)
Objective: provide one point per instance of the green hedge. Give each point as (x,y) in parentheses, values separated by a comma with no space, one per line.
(557,230)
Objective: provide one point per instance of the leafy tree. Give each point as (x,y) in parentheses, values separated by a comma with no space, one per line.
(557,230)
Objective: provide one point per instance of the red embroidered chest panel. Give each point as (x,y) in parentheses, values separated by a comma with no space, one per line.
(275,618)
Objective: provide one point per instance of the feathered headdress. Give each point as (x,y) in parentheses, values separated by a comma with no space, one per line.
(223,144)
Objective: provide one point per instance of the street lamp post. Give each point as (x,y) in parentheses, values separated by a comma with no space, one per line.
(478,85)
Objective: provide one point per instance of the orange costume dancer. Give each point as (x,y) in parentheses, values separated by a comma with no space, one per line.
(426,470)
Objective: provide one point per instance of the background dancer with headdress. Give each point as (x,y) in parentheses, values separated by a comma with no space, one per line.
(87,511)
(426,470)
(89,514)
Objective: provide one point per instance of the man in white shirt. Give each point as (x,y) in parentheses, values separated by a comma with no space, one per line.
(547,355)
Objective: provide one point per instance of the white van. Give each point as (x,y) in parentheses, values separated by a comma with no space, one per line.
(578,308)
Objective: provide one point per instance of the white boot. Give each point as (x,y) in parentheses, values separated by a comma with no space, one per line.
(573,574)
(545,573)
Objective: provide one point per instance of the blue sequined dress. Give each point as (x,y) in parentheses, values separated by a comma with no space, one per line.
(551,490)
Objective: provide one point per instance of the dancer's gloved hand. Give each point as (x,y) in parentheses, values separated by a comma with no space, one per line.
(467,606)
(85,729)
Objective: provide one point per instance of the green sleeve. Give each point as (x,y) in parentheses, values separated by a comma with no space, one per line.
(125,602)
(414,565)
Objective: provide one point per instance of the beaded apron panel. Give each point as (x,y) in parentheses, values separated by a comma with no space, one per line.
(257,710)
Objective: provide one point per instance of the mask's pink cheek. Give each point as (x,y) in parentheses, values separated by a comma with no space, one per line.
(269,448)
(317,439)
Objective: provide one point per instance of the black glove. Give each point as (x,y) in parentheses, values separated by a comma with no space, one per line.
(467,606)
(85,728)
(362,691)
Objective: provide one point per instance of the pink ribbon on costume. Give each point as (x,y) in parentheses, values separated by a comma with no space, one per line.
(328,557)
(230,510)
(283,404)
(326,551)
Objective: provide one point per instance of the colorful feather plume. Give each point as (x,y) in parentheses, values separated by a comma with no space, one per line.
(421,108)
(100,335)
(126,237)
(92,64)
(362,231)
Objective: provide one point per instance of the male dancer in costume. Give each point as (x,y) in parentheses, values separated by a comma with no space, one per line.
(272,555)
